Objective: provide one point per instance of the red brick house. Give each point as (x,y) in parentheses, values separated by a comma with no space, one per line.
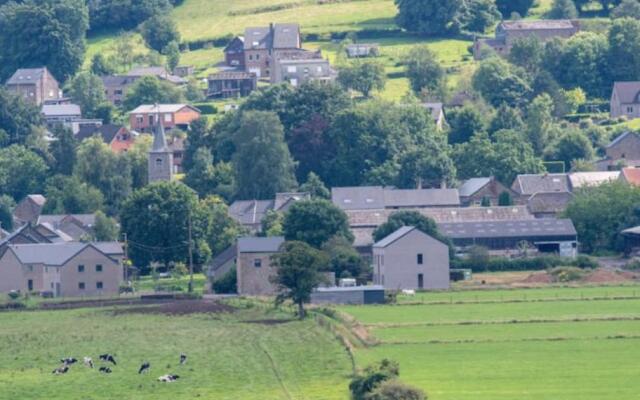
(234,52)
(143,118)
(118,137)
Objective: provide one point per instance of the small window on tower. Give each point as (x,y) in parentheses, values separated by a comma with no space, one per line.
(159,162)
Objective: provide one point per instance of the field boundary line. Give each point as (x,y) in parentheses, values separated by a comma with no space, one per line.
(488,341)
(276,373)
(499,322)
(506,301)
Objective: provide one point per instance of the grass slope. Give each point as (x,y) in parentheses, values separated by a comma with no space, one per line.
(471,350)
(228,358)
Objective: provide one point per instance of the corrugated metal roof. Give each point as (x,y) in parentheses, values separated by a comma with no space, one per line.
(508,229)
(260,244)
(56,110)
(377,197)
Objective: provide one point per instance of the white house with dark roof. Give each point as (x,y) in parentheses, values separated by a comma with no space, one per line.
(625,100)
(410,259)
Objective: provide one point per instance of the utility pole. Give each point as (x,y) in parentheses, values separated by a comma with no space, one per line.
(190,257)
(126,258)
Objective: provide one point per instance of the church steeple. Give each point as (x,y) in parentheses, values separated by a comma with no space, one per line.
(160,161)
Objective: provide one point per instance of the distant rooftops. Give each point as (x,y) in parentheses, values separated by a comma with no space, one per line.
(160,108)
(61,110)
(542,24)
(378,197)
(26,76)
(529,184)
(275,36)
(506,229)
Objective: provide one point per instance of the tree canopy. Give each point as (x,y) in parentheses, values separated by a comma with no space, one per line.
(315,222)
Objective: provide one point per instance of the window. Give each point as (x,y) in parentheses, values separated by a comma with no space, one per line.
(30,268)
(150,119)
(158,162)
(139,119)
(319,69)
(98,268)
(30,285)
(81,285)
(117,92)
(629,109)
(80,268)
(250,57)
(257,56)
(257,263)
(420,281)
(167,118)
(99,285)
(419,258)
(294,82)
(291,69)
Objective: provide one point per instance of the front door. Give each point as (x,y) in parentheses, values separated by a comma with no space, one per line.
(30,285)
(58,289)
(420,281)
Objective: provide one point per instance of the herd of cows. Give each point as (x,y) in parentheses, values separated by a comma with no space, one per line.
(109,358)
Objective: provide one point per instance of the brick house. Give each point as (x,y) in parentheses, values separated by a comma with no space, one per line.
(625,100)
(116,87)
(231,84)
(118,137)
(37,85)
(473,191)
(623,151)
(69,269)
(234,52)
(264,45)
(508,32)
(143,118)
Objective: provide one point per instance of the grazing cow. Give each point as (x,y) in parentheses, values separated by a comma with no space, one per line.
(105,370)
(409,292)
(69,360)
(144,367)
(183,358)
(168,378)
(108,358)
(88,362)
(61,370)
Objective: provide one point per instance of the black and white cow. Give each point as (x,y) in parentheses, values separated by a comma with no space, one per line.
(168,378)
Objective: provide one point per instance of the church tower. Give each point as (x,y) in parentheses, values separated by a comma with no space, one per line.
(160,156)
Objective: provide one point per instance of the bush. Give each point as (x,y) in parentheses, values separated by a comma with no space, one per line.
(364,384)
(206,108)
(567,274)
(498,264)
(227,284)
(396,390)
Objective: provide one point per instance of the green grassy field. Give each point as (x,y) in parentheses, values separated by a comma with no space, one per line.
(494,345)
(229,357)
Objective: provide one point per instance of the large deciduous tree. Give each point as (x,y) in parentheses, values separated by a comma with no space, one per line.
(22,172)
(315,222)
(363,77)
(508,7)
(500,82)
(36,33)
(429,17)
(151,90)
(158,31)
(69,195)
(20,121)
(426,75)
(624,50)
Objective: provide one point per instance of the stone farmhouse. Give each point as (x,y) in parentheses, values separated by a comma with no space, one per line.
(508,32)
(625,100)
(253,263)
(623,151)
(36,85)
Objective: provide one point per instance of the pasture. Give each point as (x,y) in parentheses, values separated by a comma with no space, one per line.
(550,343)
(243,353)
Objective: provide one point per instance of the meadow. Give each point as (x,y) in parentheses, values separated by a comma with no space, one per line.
(548,343)
(246,354)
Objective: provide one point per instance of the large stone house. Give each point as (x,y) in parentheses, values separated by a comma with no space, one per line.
(116,87)
(254,267)
(508,32)
(144,117)
(264,45)
(625,100)
(62,269)
(37,85)
(475,191)
(623,151)
(410,259)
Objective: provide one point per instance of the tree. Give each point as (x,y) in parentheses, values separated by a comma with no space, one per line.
(87,90)
(63,150)
(506,117)
(315,187)
(69,195)
(155,219)
(158,31)
(624,50)
(298,268)
(105,228)
(426,165)
(208,178)
(527,53)
(572,145)
(20,121)
(425,73)
(151,90)
(508,7)
(408,218)
(138,160)
(464,122)
(22,172)
(34,33)
(627,8)
(172,51)
(363,77)
(505,199)
(220,230)
(345,261)
(363,384)
(538,122)
(7,205)
(478,15)
(395,390)
(499,82)
(101,66)
(315,222)
(563,9)
(262,162)
(271,224)
(429,17)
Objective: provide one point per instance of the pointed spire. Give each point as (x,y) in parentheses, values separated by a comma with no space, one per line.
(159,138)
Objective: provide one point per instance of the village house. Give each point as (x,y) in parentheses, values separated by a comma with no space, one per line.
(144,117)
(254,266)
(250,213)
(579,180)
(630,176)
(625,100)
(526,185)
(508,32)
(623,151)
(231,84)
(158,72)
(264,45)
(410,259)
(234,52)
(118,137)
(36,85)
(31,233)
(183,71)
(116,87)
(28,209)
(69,269)
(476,191)
(298,71)
(78,227)
(63,114)
(359,50)
(437,114)
(549,204)
(380,198)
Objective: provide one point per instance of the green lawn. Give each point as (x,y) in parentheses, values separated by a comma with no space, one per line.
(228,358)
(492,351)
(146,283)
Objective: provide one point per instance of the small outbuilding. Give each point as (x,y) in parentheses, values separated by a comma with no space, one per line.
(410,259)
(349,295)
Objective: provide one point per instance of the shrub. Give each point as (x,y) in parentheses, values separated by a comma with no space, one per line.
(567,274)
(206,108)
(362,385)
(396,390)
(497,264)
(227,284)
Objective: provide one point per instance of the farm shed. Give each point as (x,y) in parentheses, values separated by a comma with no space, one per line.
(348,295)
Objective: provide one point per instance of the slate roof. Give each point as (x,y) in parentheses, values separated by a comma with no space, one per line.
(162,108)
(257,38)
(29,208)
(628,92)
(55,220)
(231,75)
(221,259)
(401,232)
(250,212)
(57,110)
(107,132)
(358,198)
(260,244)
(472,186)
(118,80)
(283,36)
(378,197)
(621,137)
(530,184)
(546,227)
(543,24)
(549,202)
(58,253)
(582,179)
(26,75)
